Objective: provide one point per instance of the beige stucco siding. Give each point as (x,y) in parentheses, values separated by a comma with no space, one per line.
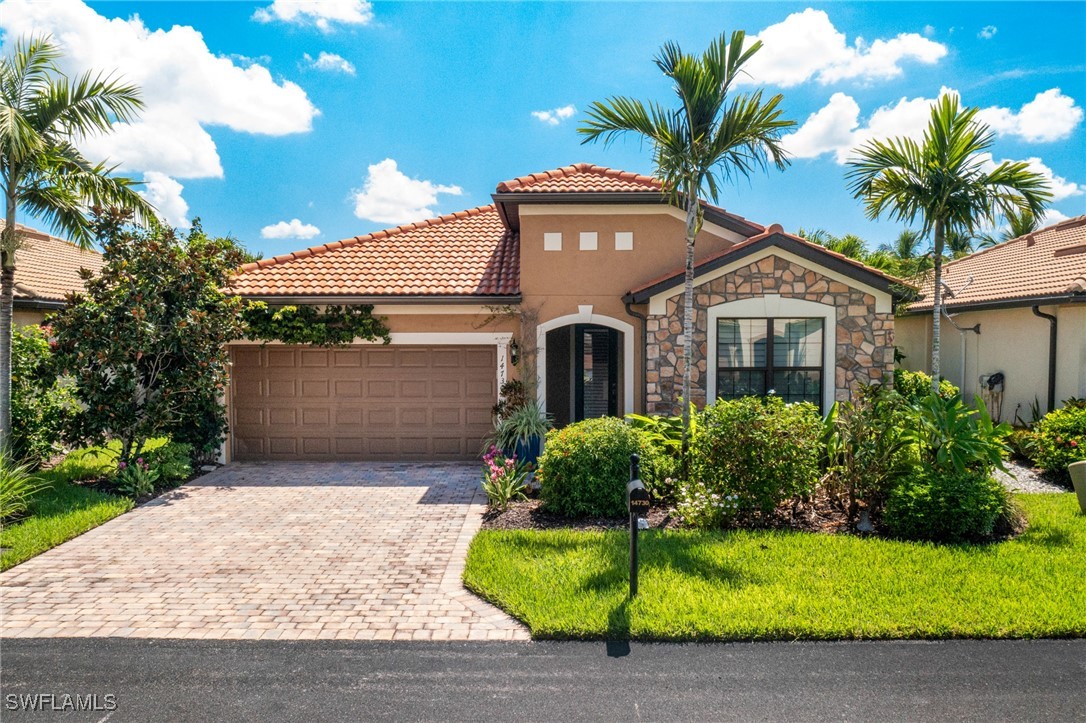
(1012,341)
(26,317)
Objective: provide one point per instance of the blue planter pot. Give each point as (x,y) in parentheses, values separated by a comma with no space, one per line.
(528,451)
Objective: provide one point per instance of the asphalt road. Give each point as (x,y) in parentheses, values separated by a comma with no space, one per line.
(162,680)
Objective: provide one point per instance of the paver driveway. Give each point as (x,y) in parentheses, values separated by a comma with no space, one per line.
(272,551)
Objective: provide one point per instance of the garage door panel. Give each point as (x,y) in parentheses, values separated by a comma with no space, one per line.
(369,402)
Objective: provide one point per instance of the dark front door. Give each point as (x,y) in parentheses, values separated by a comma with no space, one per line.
(595,371)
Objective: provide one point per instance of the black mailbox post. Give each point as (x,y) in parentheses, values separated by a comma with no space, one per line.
(637,502)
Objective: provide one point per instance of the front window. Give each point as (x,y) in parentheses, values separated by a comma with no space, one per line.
(756,356)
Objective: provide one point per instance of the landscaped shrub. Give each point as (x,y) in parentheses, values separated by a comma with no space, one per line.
(40,403)
(946,506)
(749,455)
(172,461)
(950,436)
(866,452)
(914,386)
(1060,439)
(585,467)
(17,486)
(665,434)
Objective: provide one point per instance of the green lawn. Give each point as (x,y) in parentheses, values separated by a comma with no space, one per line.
(789,585)
(62,510)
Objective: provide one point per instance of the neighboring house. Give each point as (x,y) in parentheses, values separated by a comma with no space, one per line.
(47,270)
(572,277)
(1029,297)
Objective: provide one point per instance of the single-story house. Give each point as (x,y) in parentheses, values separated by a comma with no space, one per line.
(572,280)
(1021,308)
(47,270)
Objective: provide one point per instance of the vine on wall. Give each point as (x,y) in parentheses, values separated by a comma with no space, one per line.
(334,326)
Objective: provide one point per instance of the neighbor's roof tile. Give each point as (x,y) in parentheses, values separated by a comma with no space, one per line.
(468,253)
(47,268)
(1047,262)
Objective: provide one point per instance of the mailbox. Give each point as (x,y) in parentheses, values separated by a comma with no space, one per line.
(637,497)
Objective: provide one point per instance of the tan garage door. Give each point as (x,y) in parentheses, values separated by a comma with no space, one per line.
(362,402)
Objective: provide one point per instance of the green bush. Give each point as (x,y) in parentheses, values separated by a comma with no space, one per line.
(665,434)
(749,455)
(1060,439)
(17,486)
(946,506)
(914,386)
(40,403)
(172,461)
(585,467)
(950,436)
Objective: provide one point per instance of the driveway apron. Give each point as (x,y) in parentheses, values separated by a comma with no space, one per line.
(281,551)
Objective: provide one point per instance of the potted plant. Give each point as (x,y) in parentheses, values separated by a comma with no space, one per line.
(521,432)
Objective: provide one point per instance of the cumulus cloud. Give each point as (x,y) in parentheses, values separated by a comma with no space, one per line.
(164,193)
(806,45)
(1050,116)
(329,62)
(836,127)
(389,196)
(324,14)
(1059,186)
(293,228)
(987,32)
(554,116)
(185,86)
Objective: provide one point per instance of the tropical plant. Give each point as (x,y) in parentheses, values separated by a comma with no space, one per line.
(951,437)
(40,403)
(43,113)
(664,432)
(941,182)
(866,453)
(503,479)
(146,342)
(712,136)
(520,426)
(17,486)
(136,479)
(760,450)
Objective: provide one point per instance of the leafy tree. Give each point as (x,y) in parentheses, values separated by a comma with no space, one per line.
(39,400)
(146,342)
(42,114)
(712,136)
(941,182)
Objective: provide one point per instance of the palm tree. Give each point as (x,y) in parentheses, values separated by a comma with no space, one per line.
(43,114)
(941,182)
(905,250)
(712,137)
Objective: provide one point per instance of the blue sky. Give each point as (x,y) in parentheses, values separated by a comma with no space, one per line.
(416,109)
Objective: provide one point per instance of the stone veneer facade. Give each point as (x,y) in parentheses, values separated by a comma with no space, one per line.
(865,337)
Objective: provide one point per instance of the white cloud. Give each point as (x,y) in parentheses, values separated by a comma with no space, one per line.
(987,32)
(1051,217)
(1059,186)
(929,31)
(186,88)
(806,45)
(329,62)
(1050,116)
(836,127)
(290,229)
(324,14)
(554,116)
(389,196)
(164,193)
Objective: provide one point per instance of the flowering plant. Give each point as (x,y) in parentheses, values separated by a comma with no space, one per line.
(503,479)
(699,506)
(136,479)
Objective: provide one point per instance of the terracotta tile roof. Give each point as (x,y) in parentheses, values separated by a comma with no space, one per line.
(468,253)
(739,249)
(47,268)
(580,178)
(1048,262)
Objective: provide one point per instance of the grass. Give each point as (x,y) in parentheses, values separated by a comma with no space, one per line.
(761,585)
(62,509)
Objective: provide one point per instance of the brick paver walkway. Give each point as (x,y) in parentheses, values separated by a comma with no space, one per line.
(271,551)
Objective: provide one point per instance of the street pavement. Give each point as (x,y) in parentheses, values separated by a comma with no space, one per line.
(240,680)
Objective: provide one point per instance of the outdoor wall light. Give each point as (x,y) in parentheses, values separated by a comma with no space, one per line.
(514,352)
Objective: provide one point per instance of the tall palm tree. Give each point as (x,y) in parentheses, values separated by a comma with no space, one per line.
(712,137)
(941,182)
(43,113)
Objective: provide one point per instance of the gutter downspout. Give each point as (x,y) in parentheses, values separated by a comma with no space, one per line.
(1052,329)
(644,354)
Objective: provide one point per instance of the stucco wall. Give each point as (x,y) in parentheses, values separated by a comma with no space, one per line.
(1012,341)
(863,352)
(25,317)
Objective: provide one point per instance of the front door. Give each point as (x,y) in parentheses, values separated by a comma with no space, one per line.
(595,377)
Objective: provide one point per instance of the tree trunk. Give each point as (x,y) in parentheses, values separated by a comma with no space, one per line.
(937,306)
(7,291)
(688,318)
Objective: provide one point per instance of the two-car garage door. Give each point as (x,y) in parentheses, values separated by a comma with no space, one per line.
(368,402)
